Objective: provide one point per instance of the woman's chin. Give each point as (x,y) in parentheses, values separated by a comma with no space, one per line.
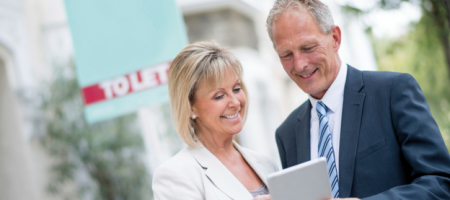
(235,131)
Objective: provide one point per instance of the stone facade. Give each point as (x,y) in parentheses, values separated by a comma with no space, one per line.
(226,26)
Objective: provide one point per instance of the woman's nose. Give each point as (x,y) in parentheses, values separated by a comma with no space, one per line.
(234,101)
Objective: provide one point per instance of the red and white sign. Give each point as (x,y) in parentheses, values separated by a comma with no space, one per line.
(137,81)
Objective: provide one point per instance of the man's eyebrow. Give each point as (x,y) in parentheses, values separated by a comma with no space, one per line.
(282,51)
(309,43)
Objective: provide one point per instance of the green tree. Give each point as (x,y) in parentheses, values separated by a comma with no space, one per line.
(436,12)
(111,153)
(420,54)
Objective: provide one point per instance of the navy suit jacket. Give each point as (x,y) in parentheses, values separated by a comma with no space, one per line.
(390,146)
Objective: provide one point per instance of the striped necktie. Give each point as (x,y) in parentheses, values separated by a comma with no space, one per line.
(326,148)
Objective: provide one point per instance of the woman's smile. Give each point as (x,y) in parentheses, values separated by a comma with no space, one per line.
(231,118)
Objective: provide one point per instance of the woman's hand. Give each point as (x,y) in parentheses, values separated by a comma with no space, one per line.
(262,197)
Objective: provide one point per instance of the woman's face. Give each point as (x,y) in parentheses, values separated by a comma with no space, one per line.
(221,110)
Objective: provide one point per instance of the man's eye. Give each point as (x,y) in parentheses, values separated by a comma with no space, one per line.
(308,49)
(287,55)
(219,97)
(237,90)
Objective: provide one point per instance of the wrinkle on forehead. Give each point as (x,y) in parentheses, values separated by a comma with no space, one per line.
(287,29)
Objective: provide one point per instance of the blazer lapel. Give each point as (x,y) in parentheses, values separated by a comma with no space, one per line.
(219,175)
(256,165)
(351,121)
(302,133)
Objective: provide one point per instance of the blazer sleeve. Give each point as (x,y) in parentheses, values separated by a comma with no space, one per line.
(270,164)
(171,184)
(421,143)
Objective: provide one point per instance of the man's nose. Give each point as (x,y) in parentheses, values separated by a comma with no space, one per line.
(300,62)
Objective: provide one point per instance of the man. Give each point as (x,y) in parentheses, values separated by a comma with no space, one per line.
(374,128)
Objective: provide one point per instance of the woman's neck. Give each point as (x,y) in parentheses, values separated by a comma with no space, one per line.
(219,145)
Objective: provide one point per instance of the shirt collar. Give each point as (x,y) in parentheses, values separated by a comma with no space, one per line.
(335,92)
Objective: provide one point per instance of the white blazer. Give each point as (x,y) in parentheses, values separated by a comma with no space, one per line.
(194,173)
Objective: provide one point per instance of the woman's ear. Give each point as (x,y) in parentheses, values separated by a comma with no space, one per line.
(193,115)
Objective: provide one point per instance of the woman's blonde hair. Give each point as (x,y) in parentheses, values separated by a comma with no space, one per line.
(205,62)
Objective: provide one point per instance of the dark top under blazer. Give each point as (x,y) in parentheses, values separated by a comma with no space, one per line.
(390,147)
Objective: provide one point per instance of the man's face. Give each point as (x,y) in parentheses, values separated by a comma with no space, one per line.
(308,56)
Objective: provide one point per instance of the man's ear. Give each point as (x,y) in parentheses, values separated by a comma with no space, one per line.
(336,31)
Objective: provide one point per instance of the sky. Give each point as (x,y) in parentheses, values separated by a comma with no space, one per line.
(388,23)
(385,23)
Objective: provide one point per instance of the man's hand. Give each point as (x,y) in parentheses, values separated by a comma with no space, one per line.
(262,197)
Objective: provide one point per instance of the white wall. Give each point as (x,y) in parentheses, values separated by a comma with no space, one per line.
(27,42)
(16,176)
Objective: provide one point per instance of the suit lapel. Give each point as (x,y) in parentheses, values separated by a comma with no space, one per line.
(302,133)
(351,121)
(256,165)
(219,175)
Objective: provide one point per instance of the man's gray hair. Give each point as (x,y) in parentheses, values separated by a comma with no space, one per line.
(319,11)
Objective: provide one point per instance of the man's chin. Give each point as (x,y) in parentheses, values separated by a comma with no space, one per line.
(308,90)
(317,93)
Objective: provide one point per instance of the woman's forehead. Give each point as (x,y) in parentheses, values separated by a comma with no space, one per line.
(228,79)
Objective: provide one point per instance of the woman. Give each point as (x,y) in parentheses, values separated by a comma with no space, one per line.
(208,102)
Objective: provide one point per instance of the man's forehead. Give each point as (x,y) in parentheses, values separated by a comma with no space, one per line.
(305,41)
(295,24)
(297,40)
(291,18)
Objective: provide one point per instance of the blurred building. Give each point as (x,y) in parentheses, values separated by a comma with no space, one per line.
(34,36)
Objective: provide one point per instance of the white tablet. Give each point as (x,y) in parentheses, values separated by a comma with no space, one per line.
(308,181)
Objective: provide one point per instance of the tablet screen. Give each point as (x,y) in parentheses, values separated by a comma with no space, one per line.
(308,181)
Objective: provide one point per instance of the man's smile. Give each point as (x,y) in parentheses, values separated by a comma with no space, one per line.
(308,75)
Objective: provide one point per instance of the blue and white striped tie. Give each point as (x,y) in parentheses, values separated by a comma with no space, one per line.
(326,148)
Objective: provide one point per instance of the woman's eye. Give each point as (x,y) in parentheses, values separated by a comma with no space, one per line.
(237,90)
(219,97)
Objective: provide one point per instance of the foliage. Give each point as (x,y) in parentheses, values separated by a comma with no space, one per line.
(436,13)
(420,54)
(109,154)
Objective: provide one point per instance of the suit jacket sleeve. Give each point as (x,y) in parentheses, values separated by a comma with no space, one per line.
(421,144)
(281,150)
(171,184)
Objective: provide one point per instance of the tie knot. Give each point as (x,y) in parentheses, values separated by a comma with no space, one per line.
(321,108)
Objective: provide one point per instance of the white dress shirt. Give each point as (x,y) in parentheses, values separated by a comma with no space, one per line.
(333,99)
